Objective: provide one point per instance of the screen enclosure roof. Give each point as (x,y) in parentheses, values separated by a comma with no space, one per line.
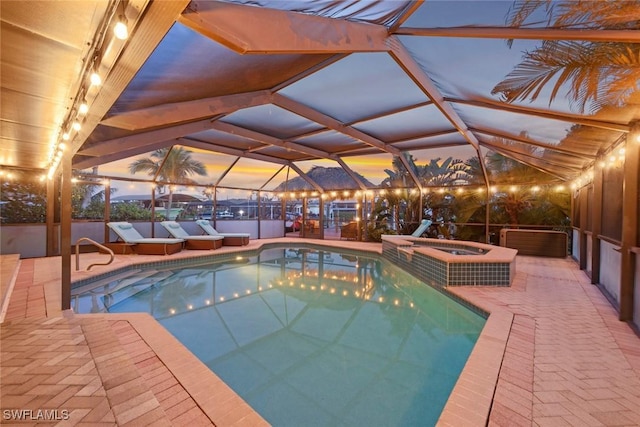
(288,84)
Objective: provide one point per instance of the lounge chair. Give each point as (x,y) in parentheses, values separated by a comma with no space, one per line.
(422,228)
(192,242)
(145,245)
(230,239)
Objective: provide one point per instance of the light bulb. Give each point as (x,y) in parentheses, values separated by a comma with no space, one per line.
(121,31)
(96,80)
(76,126)
(83,108)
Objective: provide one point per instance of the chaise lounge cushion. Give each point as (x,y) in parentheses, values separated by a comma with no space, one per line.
(192,242)
(145,245)
(230,239)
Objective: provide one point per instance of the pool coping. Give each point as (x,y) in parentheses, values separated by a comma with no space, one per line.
(215,398)
(469,403)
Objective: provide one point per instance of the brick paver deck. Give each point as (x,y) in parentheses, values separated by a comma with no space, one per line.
(552,354)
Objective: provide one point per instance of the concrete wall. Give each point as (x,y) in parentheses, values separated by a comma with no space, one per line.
(92,230)
(28,240)
(610,265)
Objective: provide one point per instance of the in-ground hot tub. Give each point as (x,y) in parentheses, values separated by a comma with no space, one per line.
(451,262)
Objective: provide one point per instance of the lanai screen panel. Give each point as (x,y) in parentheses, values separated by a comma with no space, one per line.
(272,121)
(450,139)
(277,179)
(448,14)
(215,164)
(357,87)
(384,13)
(219,140)
(187,65)
(612,200)
(328,174)
(371,167)
(120,168)
(409,124)
(463,153)
(432,165)
(470,68)
(540,129)
(123,190)
(226,197)
(332,142)
(250,174)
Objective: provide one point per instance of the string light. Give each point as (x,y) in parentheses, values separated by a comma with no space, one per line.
(120,30)
(95,79)
(90,75)
(83,108)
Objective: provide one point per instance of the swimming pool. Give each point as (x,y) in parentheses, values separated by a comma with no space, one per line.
(308,336)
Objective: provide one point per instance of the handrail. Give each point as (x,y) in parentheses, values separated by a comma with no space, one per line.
(104,248)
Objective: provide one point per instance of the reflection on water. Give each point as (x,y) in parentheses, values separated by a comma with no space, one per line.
(309,337)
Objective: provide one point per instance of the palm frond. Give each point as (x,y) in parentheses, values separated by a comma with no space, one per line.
(616,14)
(521,10)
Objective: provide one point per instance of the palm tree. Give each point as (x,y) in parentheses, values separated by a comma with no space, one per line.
(600,74)
(515,203)
(436,173)
(170,165)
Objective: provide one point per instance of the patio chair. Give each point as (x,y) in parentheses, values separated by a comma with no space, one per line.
(349,231)
(192,242)
(230,239)
(422,228)
(145,245)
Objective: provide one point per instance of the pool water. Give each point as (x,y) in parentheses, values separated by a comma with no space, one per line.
(309,337)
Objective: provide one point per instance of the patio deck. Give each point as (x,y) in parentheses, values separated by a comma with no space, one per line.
(552,354)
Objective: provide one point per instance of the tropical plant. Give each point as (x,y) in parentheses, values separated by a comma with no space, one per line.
(515,202)
(597,73)
(171,166)
(23,200)
(404,204)
(125,211)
